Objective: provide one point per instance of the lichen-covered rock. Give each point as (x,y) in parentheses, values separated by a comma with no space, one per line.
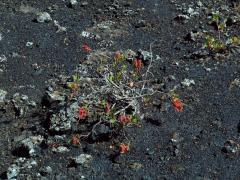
(22,104)
(43,17)
(145,55)
(62,120)
(53,96)
(28,147)
(13,171)
(83,159)
(60,149)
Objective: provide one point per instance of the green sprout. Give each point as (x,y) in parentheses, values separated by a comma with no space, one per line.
(74,84)
(134,119)
(216,17)
(76,78)
(235,40)
(117,76)
(214,44)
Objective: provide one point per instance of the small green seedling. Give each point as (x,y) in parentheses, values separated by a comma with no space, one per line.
(214,44)
(74,84)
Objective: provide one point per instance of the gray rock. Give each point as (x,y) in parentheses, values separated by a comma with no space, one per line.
(13,171)
(43,17)
(64,118)
(27,9)
(176,137)
(145,55)
(149,151)
(231,147)
(192,12)
(23,163)
(199,54)
(59,28)
(188,82)
(73,2)
(192,36)
(31,144)
(182,17)
(60,122)
(52,96)
(1,36)
(46,171)
(3,58)
(2,95)
(61,177)
(85,3)
(29,44)
(60,149)
(141,24)
(28,147)
(83,159)
(100,131)
(22,104)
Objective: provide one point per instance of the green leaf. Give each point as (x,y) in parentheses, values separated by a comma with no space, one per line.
(76,78)
(235,40)
(216,16)
(134,119)
(222,26)
(111,78)
(112,120)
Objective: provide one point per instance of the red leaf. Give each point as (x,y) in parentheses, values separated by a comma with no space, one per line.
(107,108)
(177,104)
(86,48)
(76,140)
(82,113)
(138,64)
(124,119)
(123,148)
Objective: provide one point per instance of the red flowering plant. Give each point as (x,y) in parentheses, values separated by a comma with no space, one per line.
(124,119)
(82,113)
(177,104)
(108,112)
(107,107)
(75,140)
(123,148)
(137,64)
(86,48)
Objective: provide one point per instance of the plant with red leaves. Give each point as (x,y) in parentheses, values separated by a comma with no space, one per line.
(76,140)
(124,119)
(177,104)
(82,113)
(123,148)
(86,48)
(107,108)
(137,64)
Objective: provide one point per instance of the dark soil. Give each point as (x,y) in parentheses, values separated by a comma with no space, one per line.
(202,142)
